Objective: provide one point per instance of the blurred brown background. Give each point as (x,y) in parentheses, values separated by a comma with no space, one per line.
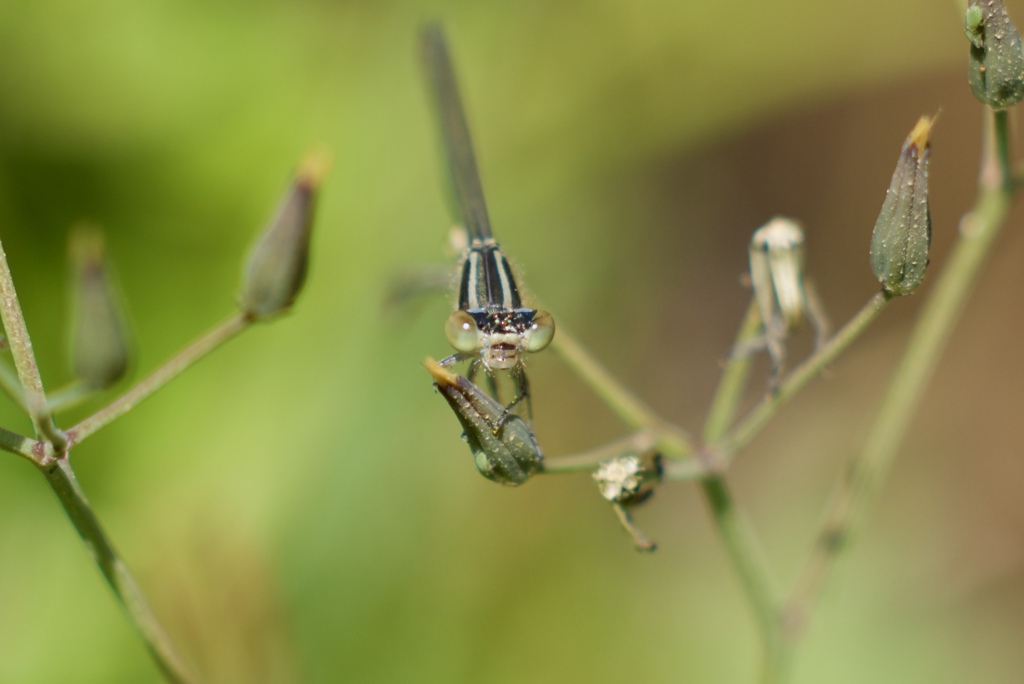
(300,507)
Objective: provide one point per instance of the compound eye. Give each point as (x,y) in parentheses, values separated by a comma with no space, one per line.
(541,331)
(461,331)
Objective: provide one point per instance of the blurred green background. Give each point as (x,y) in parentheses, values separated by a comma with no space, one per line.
(300,507)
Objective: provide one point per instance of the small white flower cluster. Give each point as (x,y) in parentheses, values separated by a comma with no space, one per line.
(620,478)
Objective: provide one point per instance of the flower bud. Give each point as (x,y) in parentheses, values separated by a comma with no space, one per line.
(903,232)
(777,273)
(276,269)
(502,443)
(100,351)
(996,71)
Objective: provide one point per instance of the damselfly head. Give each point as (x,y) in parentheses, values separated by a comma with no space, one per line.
(499,335)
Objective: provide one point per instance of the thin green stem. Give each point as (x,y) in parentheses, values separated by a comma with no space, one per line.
(732,524)
(733,381)
(160,377)
(627,405)
(69,396)
(11,386)
(744,432)
(632,410)
(689,468)
(1001,152)
(62,481)
(862,481)
(25,360)
(21,445)
(588,460)
(751,565)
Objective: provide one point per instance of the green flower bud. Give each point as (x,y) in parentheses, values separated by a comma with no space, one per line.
(100,352)
(903,232)
(996,71)
(276,269)
(502,443)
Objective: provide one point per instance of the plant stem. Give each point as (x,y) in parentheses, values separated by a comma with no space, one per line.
(674,469)
(734,380)
(588,460)
(25,360)
(684,469)
(11,386)
(997,173)
(752,567)
(627,405)
(634,412)
(741,435)
(858,488)
(732,524)
(62,480)
(160,377)
(22,446)
(69,396)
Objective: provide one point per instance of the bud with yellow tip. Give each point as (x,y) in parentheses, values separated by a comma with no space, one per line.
(903,231)
(276,270)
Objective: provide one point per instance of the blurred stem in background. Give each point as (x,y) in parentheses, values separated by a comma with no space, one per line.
(172,368)
(723,446)
(24,360)
(860,483)
(274,277)
(62,481)
(732,524)
(51,456)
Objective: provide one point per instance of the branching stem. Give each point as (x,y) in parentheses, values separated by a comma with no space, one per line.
(671,439)
(860,484)
(160,377)
(62,481)
(734,379)
(736,439)
(25,361)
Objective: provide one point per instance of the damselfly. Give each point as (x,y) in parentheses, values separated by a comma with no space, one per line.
(490,327)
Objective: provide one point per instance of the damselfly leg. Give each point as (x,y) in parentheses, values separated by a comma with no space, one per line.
(516,375)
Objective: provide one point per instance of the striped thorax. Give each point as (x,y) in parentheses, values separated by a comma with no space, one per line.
(491,318)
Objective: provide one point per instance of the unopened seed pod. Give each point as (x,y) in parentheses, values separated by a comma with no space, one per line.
(903,231)
(100,350)
(276,269)
(996,70)
(504,448)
